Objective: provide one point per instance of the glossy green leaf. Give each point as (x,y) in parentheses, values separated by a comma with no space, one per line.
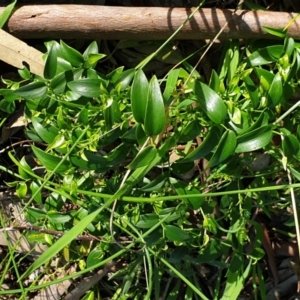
(51,63)
(58,218)
(275,92)
(224,149)
(83,116)
(147,221)
(6,13)
(174,233)
(170,85)
(265,55)
(36,192)
(138,96)
(157,183)
(252,91)
(35,213)
(21,190)
(279,32)
(184,189)
(214,82)
(155,110)
(59,82)
(190,131)
(22,167)
(91,161)
(7,106)
(94,256)
(210,102)
(210,141)
(86,87)
(32,91)
(289,46)
(143,158)
(261,121)
(125,79)
(50,161)
(24,73)
(46,132)
(290,145)
(71,55)
(254,140)
(92,48)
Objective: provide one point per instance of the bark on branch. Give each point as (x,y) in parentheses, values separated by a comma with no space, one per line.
(150,23)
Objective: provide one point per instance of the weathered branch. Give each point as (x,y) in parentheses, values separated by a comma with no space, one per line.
(151,23)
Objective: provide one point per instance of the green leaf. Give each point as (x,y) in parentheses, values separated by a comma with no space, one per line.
(252,91)
(155,110)
(261,121)
(265,55)
(125,79)
(214,82)
(22,169)
(210,102)
(59,82)
(235,281)
(290,145)
(86,87)
(289,46)
(21,190)
(36,192)
(275,92)
(143,158)
(94,256)
(210,141)
(83,116)
(224,149)
(92,48)
(32,91)
(147,221)
(138,96)
(6,13)
(184,189)
(58,218)
(279,32)
(50,161)
(190,132)
(176,234)
(170,85)
(47,132)
(51,63)
(71,55)
(254,140)
(7,106)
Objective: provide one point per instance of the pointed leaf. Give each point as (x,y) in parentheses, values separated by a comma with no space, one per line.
(51,63)
(290,146)
(47,132)
(71,55)
(143,158)
(275,91)
(265,55)
(50,161)
(224,149)
(174,233)
(155,110)
(210,102)
(32,91)
(86,87)
(210,141)
(254,140)
(139,93)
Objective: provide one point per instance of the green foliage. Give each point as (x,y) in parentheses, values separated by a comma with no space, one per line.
(112,138)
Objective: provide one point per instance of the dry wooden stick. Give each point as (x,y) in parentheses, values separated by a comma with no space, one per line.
(151,23)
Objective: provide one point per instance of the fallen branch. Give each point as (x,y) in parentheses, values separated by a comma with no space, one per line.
(139,23)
